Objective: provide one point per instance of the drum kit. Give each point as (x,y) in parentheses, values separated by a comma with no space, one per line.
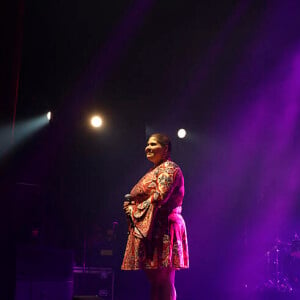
(283,266)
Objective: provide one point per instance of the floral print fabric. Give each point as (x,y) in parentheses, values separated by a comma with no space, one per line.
(159,237)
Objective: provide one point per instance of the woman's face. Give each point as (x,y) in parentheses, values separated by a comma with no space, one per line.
(155,152)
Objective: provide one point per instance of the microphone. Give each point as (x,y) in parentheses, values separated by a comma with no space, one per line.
(128,199)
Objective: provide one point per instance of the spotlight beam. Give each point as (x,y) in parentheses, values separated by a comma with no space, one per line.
(22,131)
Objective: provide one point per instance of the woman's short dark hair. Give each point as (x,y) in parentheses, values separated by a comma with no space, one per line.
(163,139)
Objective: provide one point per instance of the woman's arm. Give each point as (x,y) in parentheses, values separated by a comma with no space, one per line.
(168,177)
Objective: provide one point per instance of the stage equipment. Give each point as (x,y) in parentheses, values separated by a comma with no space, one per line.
(93,282)
(86,298)
(181,133)
(293,266)
(43,273)
(96,121)
(99,247)
(277,263)
(283,267)
(295,248)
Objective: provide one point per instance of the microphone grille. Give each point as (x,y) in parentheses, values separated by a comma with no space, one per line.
(127,197)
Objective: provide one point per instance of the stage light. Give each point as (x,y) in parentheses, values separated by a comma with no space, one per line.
(181,133)
(11,138)
(96,121)
(49,115)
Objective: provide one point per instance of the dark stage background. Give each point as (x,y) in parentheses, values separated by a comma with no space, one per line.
(227,71)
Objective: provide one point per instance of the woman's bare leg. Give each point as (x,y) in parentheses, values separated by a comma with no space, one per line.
(152,276)
(168,284)
(162,284)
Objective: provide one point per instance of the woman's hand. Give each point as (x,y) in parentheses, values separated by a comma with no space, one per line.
(127,207)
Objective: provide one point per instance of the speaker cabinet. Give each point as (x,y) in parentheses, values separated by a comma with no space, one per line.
(93,281)
(86,298)
(40,290)
(43,273)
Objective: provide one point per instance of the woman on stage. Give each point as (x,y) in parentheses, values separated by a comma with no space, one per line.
(157,240)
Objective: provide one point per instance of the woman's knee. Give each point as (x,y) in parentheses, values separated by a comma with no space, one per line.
(167,276)
(152,276)
(161,276)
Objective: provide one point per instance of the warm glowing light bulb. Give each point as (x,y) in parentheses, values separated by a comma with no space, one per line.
(49,115)
(96,121)
(181,133)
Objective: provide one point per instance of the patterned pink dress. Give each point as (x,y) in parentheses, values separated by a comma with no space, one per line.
(158,239)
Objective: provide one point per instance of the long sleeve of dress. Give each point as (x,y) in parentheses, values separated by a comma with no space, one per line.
(168,179)
(153,191)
